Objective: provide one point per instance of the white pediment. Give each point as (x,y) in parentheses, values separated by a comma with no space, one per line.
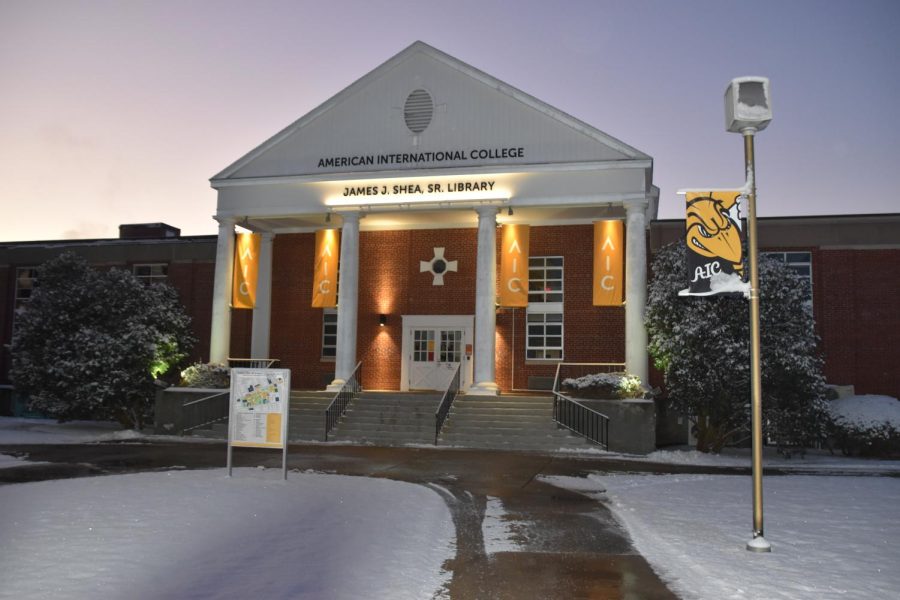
(476,121)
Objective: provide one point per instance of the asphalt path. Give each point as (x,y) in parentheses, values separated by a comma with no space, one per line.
(567,545)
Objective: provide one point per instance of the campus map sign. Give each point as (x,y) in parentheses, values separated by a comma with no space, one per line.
(258,410)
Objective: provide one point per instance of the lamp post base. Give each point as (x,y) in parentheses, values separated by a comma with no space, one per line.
(759,544)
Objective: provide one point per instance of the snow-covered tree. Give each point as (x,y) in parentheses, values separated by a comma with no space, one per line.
(702,346)
(90,343)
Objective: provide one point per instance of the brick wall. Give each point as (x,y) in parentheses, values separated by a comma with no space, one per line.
(856,306)
(390,283)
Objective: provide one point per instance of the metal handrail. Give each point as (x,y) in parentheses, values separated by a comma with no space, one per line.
(204,411)
(342,399)
(591,424)
(443,410)
(252,363)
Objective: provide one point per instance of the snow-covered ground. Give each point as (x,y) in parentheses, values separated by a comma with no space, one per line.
(47,431)
(199,534)
(832,537)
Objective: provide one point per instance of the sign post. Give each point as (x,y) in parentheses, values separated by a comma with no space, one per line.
(259,405)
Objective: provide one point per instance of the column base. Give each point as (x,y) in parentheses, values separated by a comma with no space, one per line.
(335,386)
(485,388)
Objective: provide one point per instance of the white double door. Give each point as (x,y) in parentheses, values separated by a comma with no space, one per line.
(433,346)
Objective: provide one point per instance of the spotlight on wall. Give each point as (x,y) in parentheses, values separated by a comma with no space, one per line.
(509,212)
(328,217)
(382,320)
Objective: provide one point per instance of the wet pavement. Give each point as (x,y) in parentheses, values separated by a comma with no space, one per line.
(566,545)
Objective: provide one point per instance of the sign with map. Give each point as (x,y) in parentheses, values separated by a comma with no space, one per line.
(260,400)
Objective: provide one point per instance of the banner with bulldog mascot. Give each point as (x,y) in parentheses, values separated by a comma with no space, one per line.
(714,240)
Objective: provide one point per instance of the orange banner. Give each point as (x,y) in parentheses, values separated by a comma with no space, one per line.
(324,293)
(609,267)
(246,270)
(514,266)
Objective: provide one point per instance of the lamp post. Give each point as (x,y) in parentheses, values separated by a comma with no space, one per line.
(748,110)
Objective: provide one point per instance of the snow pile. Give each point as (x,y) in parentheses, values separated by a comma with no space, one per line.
(199,534)
(48,431)
(497,528)
(866,411)
(831,536)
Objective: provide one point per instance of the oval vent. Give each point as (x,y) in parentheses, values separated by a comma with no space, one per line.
(418,110)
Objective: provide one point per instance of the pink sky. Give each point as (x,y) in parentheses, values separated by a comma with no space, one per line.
(119,112)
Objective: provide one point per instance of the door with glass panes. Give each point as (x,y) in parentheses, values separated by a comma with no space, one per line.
(433,350)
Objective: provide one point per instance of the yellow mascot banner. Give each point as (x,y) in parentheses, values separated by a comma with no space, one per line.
(246,270)
(514,266)
(714,239)
(324,292)
(609,267)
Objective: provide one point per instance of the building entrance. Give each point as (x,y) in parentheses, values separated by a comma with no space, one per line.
(433,345)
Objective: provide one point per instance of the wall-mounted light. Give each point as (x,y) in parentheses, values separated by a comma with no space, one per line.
(382,320)
(328,217)
(509,212)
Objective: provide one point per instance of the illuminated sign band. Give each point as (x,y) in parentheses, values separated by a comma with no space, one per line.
(406,158)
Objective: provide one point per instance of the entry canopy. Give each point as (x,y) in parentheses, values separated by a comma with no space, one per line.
(423,136)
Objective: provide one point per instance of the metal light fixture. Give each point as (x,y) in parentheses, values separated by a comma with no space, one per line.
(748,109)
(382,320)
(509,212)
(328,217)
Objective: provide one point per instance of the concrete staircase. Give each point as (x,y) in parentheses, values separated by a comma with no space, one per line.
(388,419)
(307,419)
(508,423)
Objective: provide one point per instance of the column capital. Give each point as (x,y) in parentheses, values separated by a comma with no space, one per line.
(225,221)
(487,211)
(636,206)
(351,217)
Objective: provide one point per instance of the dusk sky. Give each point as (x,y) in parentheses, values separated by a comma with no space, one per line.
(120,111)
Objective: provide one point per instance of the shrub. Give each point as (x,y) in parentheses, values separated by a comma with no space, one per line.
(206,375)
(606,385)
(865,426)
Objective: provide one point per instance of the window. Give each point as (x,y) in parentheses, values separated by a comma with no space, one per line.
(800,263)
(151,272)
(544,316)
(329,333)
(451,346)
(545,279)
(25,280)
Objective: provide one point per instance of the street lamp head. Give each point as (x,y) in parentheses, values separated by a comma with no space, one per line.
(747,104)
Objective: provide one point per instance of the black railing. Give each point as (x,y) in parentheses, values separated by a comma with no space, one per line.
(591,424)
(348,392)
(581,419)
(443,410)
(204,411)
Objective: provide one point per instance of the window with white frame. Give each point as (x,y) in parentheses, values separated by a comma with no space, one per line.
(798,262)
(25,279)
(544,315)
(329,333)
(149,273)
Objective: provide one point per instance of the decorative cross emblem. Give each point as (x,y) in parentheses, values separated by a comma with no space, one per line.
(437,266)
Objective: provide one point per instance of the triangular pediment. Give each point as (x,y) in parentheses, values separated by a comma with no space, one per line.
(476,121)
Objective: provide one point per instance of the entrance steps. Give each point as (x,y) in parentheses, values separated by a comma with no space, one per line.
(388,419)
(307,419)
(522,423)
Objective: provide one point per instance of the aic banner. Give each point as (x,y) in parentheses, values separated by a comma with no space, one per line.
(609,269)
(714,242)
(246,270)
(514,266)
(324,293)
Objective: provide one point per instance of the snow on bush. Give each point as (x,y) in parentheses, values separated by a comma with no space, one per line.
(866,425)
(206,375)
(607,385)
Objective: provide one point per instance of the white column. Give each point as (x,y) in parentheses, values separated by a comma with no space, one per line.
(348,301)
(485,300)
(636,355)
(262,313)
(220,334)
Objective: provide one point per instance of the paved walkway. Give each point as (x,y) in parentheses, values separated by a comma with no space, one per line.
(567,545)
